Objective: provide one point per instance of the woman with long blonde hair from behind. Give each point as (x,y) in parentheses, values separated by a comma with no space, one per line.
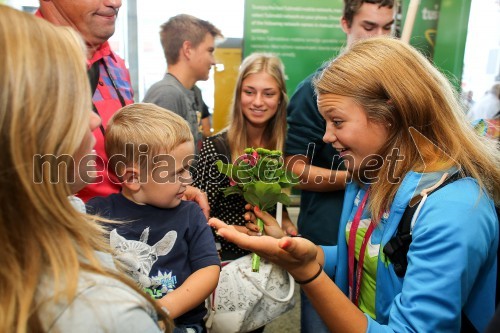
(56,273)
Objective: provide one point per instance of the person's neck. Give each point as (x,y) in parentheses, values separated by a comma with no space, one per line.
(91,50)
(182,74)
(255,136)
(132,196)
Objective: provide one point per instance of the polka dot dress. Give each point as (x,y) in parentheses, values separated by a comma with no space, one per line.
(206,177)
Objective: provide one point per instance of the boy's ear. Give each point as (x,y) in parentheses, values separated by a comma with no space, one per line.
(131,178)
(345,25)
(186,49)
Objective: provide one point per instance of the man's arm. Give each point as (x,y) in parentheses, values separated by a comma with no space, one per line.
(314,178)
(304,143)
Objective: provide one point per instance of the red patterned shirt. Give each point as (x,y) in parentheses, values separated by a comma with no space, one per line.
(106,100)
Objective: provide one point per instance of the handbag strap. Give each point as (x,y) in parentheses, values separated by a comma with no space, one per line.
(257,285)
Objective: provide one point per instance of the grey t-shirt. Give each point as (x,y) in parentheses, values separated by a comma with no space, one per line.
(170,94)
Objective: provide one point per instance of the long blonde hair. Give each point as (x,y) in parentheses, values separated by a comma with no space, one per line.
(275,131)
(44,109)
(399,87)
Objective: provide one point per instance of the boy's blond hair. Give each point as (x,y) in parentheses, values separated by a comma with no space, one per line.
(143,129)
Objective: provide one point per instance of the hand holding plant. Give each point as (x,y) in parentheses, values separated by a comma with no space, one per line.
(259,176)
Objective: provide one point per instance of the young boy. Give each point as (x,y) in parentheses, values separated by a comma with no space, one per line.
(165,244)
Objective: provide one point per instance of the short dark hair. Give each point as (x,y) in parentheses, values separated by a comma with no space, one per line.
(351,7)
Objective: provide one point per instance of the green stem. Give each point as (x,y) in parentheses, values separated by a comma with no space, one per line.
(256,257)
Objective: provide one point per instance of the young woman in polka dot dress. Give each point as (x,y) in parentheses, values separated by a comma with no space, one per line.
(258,119)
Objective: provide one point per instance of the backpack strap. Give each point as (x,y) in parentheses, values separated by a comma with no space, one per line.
(397,248)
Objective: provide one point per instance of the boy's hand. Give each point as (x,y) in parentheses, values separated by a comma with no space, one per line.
(288,227)
(194,194)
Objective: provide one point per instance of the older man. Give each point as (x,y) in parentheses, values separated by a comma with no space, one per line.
(110,79)
(95,20)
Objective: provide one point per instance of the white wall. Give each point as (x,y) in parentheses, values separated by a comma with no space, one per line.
(482,51)
(481,60)
(227,15)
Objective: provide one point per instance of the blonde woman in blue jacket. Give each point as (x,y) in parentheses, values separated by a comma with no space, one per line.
(401,131)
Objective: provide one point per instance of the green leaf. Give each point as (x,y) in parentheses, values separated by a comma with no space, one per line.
(265,168)
(263,151)
(264,195)
(232,190)
(226,169)
(244,176)
(251,198)
(261,184)
(248,150)
(284,199)
(279,173)
(288,179)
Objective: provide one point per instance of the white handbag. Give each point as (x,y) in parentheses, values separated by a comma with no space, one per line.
(244,300)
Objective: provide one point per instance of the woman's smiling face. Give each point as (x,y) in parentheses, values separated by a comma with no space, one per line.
(349,130)
(260,98)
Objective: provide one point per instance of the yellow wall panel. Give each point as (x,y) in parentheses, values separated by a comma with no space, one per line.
(226,72)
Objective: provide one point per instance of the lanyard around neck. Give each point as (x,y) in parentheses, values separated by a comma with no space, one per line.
(354,294)
(94,77)
(120,97)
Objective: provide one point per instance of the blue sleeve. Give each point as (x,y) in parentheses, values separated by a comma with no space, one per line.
(330,264)
(451,264)
(305,124)
(202,251)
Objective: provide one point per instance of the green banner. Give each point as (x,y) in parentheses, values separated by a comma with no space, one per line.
(424,31)
(451,39)
(440,32)
(304,34)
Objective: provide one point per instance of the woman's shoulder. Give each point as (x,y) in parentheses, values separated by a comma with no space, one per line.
(217,144)
(101,303)
(460,210)
(457,207)
(219,137)
(463,197)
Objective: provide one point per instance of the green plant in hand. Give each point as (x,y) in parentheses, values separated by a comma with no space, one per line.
(259,176)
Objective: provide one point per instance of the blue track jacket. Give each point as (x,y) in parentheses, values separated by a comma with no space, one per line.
(451,261)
